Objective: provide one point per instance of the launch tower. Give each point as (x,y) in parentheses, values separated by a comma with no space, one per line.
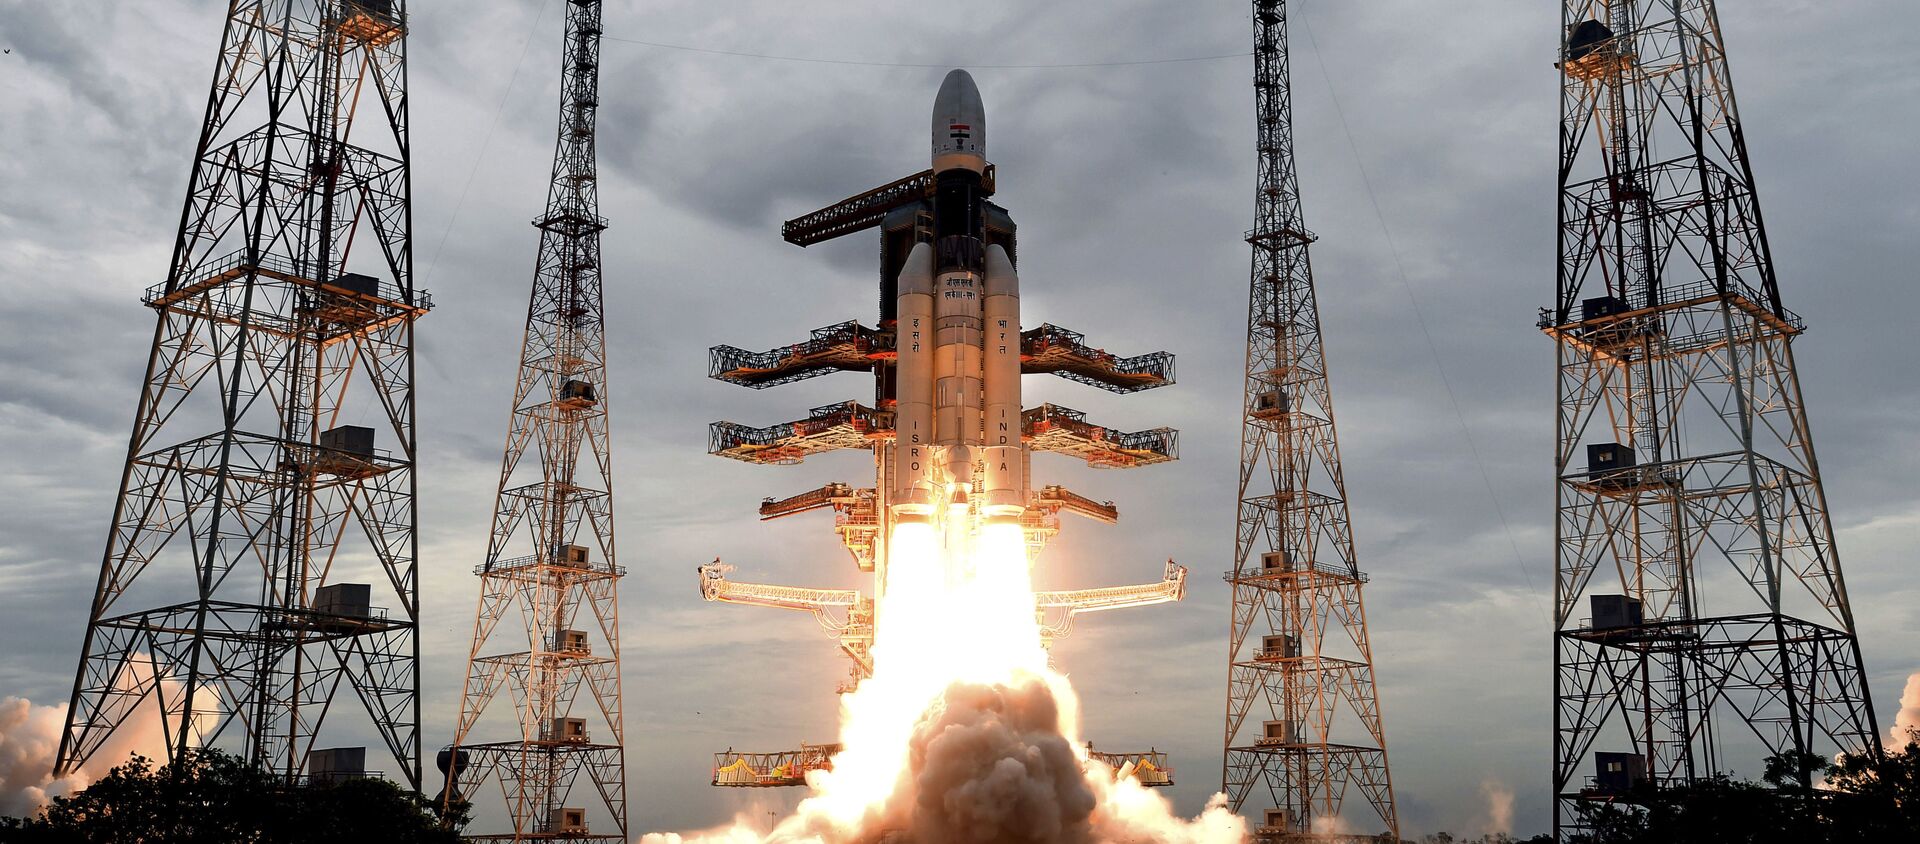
(1303,726)
(550,570)
(1700,613)
(947,429)
(260,566)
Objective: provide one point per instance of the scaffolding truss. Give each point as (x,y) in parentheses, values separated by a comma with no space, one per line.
(547,628)
(1150,767)
(852,347)
(1700,612)
(847,424)
(1056,350)
(851,425)
(864,210)
(1064,430)
(786,768)
(1056,498)
(1298,650)
(844,347)
(224,609)
(835,495)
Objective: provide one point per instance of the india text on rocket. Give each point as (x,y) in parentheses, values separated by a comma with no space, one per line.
(950,438)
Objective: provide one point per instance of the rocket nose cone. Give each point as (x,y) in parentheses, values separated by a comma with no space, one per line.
(959,124)
(956,89)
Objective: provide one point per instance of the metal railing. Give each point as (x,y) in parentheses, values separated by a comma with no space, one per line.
(737,365)
(1160,441)
(1739,294)
(235,264)
(1070,357)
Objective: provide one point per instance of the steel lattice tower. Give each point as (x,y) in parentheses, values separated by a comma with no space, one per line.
(551,556)
(272,455)
(1295,577)
(1696,536)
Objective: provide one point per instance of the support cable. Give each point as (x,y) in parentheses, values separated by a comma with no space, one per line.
(485,142)
(1433,351)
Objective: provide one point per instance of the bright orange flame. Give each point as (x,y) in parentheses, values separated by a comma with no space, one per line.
(958,608)
(950,614)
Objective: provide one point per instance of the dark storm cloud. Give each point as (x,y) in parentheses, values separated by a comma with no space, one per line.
(1132,186)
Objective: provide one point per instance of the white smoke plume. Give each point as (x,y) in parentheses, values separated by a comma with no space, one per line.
(969,739)
(1908,718)
(737,833)
(1331,825)
(30,741)
(989,764)
(29,737)
(1499,807)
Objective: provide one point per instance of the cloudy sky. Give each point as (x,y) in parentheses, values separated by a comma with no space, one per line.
(1132,186)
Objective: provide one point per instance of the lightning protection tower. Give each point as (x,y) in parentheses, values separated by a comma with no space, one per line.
(260,566)
(550,568)
(1303,728)
(1700,613)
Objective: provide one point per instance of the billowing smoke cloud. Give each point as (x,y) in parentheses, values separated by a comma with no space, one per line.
(992,763)
(989,764)
(30,741)
(975,739)
(1499,807)
(29,738)
(1907,719)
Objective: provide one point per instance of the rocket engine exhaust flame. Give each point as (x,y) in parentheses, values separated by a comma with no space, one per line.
(962,732)
(962,739)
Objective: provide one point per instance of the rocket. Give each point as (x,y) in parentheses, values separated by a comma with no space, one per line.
(957,420)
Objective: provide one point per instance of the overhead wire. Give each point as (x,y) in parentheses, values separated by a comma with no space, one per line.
(1419,320)
(486,141)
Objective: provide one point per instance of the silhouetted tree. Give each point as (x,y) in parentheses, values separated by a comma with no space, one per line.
(214,798)
(1879,800)
(1862,799)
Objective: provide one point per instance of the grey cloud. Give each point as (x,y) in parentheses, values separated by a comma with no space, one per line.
(1132,186)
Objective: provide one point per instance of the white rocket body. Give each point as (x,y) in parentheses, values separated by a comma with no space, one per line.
(1005,454)
(913,411)
(958,339)
(958,391)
